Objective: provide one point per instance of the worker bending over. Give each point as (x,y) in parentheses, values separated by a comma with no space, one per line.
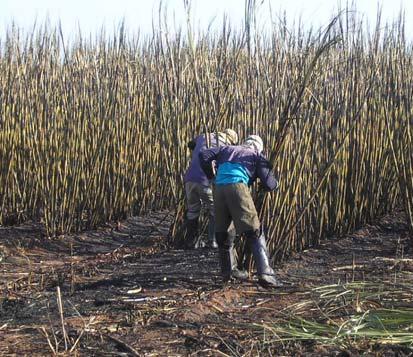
(198,188)
(237,168)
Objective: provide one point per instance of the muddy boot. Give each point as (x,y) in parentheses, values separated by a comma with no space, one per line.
(191,234)
(266,275)
(224,255)
(235,272)
(211,243)
(227,259)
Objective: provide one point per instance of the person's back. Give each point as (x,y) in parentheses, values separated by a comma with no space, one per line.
(239,164)
(236,164)
(194,173)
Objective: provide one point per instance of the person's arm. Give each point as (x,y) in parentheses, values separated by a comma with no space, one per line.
(264,171)
(206,157)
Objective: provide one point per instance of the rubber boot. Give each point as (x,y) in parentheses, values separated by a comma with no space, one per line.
(235,272)
(224,255)
(227,259)
(212,242)
(191,234)
(266,275)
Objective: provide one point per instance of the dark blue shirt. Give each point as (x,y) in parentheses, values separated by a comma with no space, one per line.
(195,172)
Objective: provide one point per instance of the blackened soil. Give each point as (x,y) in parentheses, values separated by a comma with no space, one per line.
(123,292)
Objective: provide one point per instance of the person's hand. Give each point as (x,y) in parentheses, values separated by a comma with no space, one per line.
(262,188)
(191,145)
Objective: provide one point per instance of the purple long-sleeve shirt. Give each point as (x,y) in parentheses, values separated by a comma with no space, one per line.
(255,164)
(195,172)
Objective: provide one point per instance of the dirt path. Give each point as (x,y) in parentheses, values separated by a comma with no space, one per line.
(123,293)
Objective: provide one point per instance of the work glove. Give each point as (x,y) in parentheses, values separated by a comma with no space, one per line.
(191,145)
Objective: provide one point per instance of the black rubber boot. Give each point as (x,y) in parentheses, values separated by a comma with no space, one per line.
(211,243)
(266,275)
(235,272)
(224,255)
(191,234)
(227,259)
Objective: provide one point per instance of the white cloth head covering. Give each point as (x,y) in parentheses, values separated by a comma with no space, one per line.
(256,142)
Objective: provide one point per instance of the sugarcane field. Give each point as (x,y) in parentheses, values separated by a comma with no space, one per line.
(208,192)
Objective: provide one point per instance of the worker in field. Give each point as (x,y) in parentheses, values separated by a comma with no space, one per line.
(237,168)
(198,188)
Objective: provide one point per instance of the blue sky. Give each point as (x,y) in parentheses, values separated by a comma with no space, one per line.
(90,15)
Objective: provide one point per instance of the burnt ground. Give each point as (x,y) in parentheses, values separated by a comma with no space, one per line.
(123,293)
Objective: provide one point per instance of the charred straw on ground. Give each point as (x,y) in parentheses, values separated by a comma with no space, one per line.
(95,130)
